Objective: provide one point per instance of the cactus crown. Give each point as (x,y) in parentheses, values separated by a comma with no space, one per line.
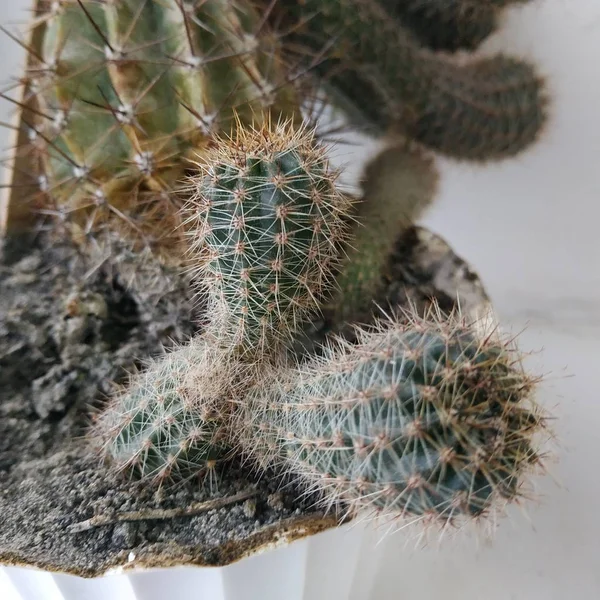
(265,222)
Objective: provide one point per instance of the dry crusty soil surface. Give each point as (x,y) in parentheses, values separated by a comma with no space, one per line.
(70,327)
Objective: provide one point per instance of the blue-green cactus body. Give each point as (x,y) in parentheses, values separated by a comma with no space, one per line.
(266,221)
(168,422)
(414,420)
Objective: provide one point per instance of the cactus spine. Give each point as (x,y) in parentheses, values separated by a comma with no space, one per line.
(423,419)
(265,222)
(127,91)
(489,108)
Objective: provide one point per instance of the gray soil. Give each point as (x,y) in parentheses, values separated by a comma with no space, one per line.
(69,327)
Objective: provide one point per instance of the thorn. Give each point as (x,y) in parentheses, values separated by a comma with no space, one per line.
(51,143)
(95,25)
(30,50)
(26,107)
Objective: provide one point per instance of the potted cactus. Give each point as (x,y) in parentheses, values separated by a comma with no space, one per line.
(299,356)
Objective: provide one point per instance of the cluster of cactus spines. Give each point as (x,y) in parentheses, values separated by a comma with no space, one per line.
(488,108)
(398,185)
(449,24)
(126,91)
(265,222)
(167,423)
(421,418)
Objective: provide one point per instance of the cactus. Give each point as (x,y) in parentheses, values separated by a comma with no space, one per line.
(488,108)
(167,422)
(265,223)
(422,418)
(399,184)
(126,91)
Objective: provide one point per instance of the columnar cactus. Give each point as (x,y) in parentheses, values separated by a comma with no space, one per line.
(126,91)
(423,418)
(168,421)
(265,222)
(488,108)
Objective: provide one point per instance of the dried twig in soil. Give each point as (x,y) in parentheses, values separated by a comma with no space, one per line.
(161,514)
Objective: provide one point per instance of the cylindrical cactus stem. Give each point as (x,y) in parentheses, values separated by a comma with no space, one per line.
(423,419)
(398,185)
(126,91)
(488,108)
(168,422)
(265,223)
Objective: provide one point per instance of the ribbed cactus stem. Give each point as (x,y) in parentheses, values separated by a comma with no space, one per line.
(424,419)
(126,91)
(398,185)
(265,222)
(488,108)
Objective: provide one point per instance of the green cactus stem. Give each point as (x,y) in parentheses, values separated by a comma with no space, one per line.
(167,423)
(398,185)
(485,108)
(423,419)
(265,223)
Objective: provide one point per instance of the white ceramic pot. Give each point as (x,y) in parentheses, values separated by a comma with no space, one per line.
(338,564)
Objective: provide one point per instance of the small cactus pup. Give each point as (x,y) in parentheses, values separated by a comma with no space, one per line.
(125,91)
(398,186)
(167,422)
(423,418)
(265,224)
(479,109)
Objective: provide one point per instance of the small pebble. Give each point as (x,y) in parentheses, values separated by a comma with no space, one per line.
(124,535)
(275,501)
(249,508)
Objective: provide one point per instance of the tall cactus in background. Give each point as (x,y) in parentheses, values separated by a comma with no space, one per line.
(421,418)
(488,108)
(265,222)
(126,92)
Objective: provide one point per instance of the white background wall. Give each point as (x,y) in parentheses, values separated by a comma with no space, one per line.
(530,227)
